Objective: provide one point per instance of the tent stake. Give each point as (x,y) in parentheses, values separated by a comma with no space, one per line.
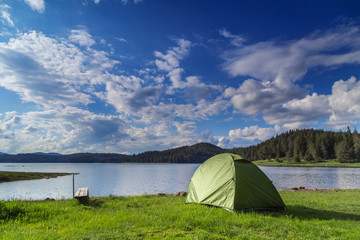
(210,211)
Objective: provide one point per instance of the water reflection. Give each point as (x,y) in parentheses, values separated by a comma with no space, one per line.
(313,177)
(102,179)
(137,179)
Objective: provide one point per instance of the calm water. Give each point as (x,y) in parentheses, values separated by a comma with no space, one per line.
(137,179)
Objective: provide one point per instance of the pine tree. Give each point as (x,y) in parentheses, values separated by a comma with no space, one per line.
(356,139)
(345,149)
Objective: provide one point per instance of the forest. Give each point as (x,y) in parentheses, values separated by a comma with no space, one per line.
(308,145)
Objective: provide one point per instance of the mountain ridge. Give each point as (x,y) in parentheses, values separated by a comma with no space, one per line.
(300,144)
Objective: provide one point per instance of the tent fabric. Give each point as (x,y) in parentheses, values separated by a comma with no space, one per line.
(229,181)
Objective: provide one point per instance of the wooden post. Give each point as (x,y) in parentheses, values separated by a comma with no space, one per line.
(73,186)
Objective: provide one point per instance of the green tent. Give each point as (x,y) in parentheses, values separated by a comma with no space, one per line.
(231,182)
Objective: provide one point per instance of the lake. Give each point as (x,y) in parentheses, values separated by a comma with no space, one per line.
(105,179)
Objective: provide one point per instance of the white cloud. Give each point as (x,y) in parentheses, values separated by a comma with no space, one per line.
(195,89)
(5,15)
(341,107)
(8,122)
(276,66)
(289,61)
(135,1)
(30,129)
(34,67)
(230,119)
(130,102)
(51,72)
(66,130)
(122,40)
(297,113)
(344,102)
(37,5)
(156,113)
(171,60)
(175,76)
(185,128)
(202,109)
(235,39)
(255,96)
(64,78)
(247,135)
(252,133)
(9,119)
(81,37)
(159,136)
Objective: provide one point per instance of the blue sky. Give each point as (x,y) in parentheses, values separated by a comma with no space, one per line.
(129,76)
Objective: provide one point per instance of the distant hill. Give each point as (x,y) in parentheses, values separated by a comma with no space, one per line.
(306,144)
(46,154)
(197,153)
(58,158)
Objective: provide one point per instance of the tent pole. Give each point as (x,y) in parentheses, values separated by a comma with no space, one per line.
(73,185)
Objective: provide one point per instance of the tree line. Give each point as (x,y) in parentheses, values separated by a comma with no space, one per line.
(308,145)
(295,145)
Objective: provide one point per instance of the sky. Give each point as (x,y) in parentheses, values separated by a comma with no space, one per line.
(128,76)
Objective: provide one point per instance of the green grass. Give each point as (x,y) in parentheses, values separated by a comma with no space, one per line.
(325,163)
(18,176)
(310,215)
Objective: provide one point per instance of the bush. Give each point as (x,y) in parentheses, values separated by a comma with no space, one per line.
(8,212)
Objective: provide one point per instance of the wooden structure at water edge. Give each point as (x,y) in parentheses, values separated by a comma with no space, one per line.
(82,194)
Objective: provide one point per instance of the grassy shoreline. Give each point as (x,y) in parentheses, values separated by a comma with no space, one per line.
(309,215)
(329,163)
(7,176)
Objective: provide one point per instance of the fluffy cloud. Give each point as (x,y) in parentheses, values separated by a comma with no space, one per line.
(161,135)
(185,127)
(247,135)
(66,130)
(148,97)
(252,133)
(256,96)
(192,87)
(81,37)
(63,76)
(28,67)
(9,119)
(58,76)
(160,105)
(297,112)
(8,122)
(171,60)
(131,102)
(276,66)
(30,129)
(51,72)
(36,5)
(289,61)
(344,102)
